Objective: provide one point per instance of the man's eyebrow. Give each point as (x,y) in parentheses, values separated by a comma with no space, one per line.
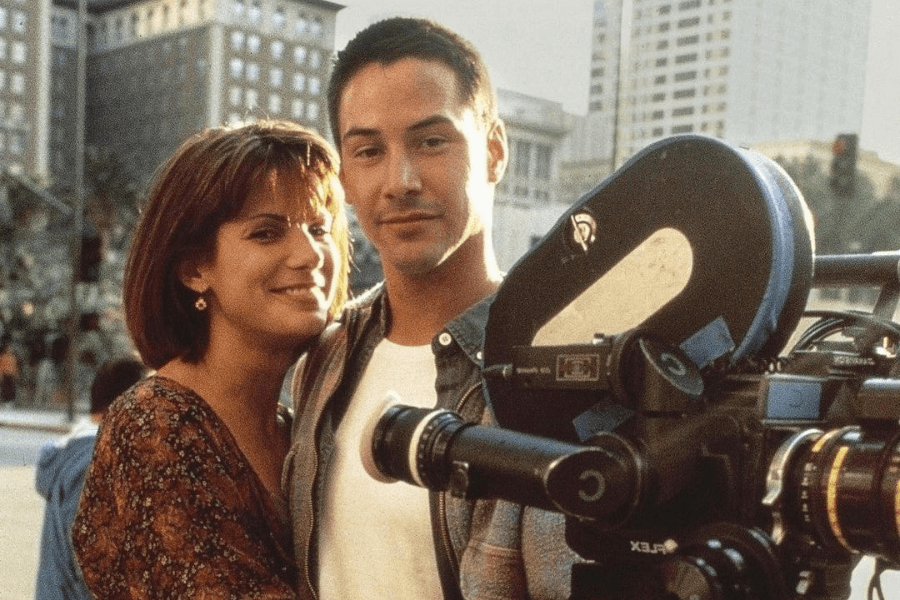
(418,125)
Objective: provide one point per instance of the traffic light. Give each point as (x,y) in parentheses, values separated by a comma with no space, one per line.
(843,164)
(90,255)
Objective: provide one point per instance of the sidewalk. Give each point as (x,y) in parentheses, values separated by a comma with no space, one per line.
(46,419)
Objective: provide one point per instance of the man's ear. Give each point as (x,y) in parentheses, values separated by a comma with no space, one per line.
(347,198)
(190,274)
(498,151)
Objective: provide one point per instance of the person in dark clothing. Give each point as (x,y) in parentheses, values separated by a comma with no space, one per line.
(60,476)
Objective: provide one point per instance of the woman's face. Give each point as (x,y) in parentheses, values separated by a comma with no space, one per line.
(271,279)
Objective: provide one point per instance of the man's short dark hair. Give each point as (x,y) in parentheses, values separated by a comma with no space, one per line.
(112,379)
(393,39)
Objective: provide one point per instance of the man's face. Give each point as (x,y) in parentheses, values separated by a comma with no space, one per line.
(417,163)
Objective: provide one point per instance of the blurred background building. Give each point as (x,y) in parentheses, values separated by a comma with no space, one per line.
(749,71)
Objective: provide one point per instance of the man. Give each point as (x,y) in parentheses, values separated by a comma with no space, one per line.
(60,476)
(414,117)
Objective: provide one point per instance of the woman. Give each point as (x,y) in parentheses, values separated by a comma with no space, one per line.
(238,261)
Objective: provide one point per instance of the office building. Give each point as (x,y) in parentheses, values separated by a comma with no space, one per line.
(159,70)
(745,70)
(24,86)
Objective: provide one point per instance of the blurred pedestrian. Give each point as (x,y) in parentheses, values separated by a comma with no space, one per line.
(60,476)
(9,372)
(237,264)
(50,380)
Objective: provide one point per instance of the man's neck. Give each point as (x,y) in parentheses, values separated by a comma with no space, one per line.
(421,306)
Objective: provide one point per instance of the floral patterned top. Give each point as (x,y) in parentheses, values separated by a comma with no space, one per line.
(171,508)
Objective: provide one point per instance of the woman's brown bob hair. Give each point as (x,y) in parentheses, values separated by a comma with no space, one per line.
(201,186)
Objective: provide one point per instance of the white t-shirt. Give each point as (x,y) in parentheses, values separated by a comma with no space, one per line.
(375,538)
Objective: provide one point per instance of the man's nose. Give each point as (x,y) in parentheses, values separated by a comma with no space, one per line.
(403,177)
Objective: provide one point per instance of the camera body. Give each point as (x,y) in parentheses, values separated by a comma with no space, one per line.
(693,456)
(763,482)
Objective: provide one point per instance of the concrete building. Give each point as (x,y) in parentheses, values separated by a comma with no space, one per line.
(24,86)
(749,71)
(159,70)
(527,202)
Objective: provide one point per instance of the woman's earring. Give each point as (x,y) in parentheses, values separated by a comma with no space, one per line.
(200,304)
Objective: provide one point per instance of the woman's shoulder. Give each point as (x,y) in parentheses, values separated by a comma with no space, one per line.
(158,408)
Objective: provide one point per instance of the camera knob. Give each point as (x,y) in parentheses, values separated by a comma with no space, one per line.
(691,578)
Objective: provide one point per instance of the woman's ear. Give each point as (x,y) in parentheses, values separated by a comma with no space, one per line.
(190,274)
(498,151)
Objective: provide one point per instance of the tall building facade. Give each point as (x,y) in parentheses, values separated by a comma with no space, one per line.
(24,86)
(159,70)
(745,70)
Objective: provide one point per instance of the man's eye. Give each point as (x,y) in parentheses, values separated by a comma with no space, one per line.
(367,152)
(434,141)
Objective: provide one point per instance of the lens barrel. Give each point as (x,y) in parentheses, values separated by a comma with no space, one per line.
(438,450)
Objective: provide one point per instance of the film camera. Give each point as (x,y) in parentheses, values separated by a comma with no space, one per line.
(701,443)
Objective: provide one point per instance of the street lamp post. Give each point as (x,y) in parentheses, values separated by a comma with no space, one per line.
(78,216)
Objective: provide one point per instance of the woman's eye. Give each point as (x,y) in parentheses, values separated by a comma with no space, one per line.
(265,235)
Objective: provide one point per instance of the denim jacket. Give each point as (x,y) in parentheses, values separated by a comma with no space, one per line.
(492,549)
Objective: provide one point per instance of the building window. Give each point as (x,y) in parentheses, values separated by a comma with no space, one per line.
(682,129)
(685,76)
(297,109)
(251,99)
(2,17)
(278,18)
(301,27)
(277,49)
(315,59)
(19,21)
(522,158)
(252,71)
(685,58)
(312,111)
(234,95)
(253,43)
(688,93)
(17,83)
(315,85)
(543,166)
(237,9)
(237,40)
(237,68)
(276,77)
(683,111)
(254,12)
(16,144)
(315,28)
(692,22)
(659,80)
(274,104)
(299,54)
(298,82)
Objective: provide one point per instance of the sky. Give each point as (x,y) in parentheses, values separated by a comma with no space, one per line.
(543,48)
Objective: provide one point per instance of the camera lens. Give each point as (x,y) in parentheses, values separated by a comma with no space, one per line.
(844,491)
